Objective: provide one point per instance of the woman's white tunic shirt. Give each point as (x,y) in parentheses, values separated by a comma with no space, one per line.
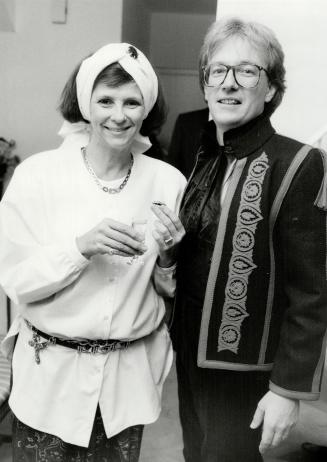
(51,200)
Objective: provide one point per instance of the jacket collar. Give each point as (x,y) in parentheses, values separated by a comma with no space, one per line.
(238,142)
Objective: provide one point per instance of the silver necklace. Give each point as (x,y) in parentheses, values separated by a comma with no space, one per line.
(98,182)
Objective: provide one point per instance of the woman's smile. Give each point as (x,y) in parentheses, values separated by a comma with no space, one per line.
(116,114)
(117,129)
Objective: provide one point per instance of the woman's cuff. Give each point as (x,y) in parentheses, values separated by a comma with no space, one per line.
(164,280)
(166,269)
(76,256)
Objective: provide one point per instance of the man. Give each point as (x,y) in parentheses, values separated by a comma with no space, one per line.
(250,317)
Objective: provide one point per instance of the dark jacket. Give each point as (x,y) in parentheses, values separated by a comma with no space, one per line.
(186,138)
(265,301)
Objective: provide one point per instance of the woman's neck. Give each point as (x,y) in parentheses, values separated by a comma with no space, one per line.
(108,164)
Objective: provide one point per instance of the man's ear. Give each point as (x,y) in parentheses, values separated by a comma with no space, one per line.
(270,93)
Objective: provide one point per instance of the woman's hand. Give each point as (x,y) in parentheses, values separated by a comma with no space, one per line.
(168,232)
(111,237)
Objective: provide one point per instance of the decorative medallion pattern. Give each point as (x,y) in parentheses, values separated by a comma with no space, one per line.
(241,264)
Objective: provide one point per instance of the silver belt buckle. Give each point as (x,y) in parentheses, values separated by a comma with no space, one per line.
(102,349)
(85,348)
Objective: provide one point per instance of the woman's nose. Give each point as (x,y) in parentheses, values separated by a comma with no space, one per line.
(230,81)
(118,114)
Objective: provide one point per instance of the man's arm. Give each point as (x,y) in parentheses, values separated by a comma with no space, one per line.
(301,239)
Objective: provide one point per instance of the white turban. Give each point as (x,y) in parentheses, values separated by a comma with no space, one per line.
(135,63)
(132,60)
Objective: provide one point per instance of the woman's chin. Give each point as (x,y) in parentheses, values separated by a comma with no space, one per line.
(118,142)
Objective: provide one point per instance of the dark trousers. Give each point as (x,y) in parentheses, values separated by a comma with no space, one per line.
(31,445)
(216,408)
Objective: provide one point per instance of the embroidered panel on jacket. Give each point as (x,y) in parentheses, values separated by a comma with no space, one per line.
(241,264)
(239,289)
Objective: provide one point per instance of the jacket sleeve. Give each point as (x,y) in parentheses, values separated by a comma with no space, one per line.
(31,267)
(300,235)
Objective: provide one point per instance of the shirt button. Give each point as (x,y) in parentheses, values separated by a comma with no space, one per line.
(106,318)
(111,279)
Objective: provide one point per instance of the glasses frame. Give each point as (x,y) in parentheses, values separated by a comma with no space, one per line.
(228,68)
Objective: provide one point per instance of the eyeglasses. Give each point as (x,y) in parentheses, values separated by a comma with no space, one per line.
(245,75)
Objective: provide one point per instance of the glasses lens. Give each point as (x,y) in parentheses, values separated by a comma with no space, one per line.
(214,74)
(247,75)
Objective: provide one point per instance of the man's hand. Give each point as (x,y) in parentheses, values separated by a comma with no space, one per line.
(278,416)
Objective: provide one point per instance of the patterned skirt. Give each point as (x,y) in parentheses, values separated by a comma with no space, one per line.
(31,445)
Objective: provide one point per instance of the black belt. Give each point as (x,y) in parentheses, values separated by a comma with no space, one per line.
(82,346)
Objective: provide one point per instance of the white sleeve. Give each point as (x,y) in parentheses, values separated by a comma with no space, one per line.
(31,268)
(164,278)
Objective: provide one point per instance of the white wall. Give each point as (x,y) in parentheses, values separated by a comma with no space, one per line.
(136,24)
(175,43)
(300,26)
(36,60)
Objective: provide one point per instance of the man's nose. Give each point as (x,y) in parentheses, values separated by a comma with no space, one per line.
(230,81)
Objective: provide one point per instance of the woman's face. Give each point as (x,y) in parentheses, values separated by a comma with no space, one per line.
(230,104)
(116,115)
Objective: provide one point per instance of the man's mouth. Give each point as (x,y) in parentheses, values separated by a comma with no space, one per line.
(229,101)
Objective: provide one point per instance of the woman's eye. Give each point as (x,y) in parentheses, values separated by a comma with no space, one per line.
(133,103)
(105,101)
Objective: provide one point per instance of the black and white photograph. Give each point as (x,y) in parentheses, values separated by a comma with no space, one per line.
(163,231)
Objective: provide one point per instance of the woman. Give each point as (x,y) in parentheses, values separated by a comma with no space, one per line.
(251,281)
(89,257)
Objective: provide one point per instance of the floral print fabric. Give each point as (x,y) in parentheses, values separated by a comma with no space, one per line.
(31,445)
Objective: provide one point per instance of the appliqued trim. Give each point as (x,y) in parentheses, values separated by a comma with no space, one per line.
(229,366)
(281,193)
(293,394)
(241,264)
(214,269)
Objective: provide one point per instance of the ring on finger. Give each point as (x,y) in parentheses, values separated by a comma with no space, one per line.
(169,240)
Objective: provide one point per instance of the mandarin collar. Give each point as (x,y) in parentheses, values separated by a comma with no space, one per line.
(238,142)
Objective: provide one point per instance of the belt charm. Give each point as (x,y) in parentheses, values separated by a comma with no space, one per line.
(38,346)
